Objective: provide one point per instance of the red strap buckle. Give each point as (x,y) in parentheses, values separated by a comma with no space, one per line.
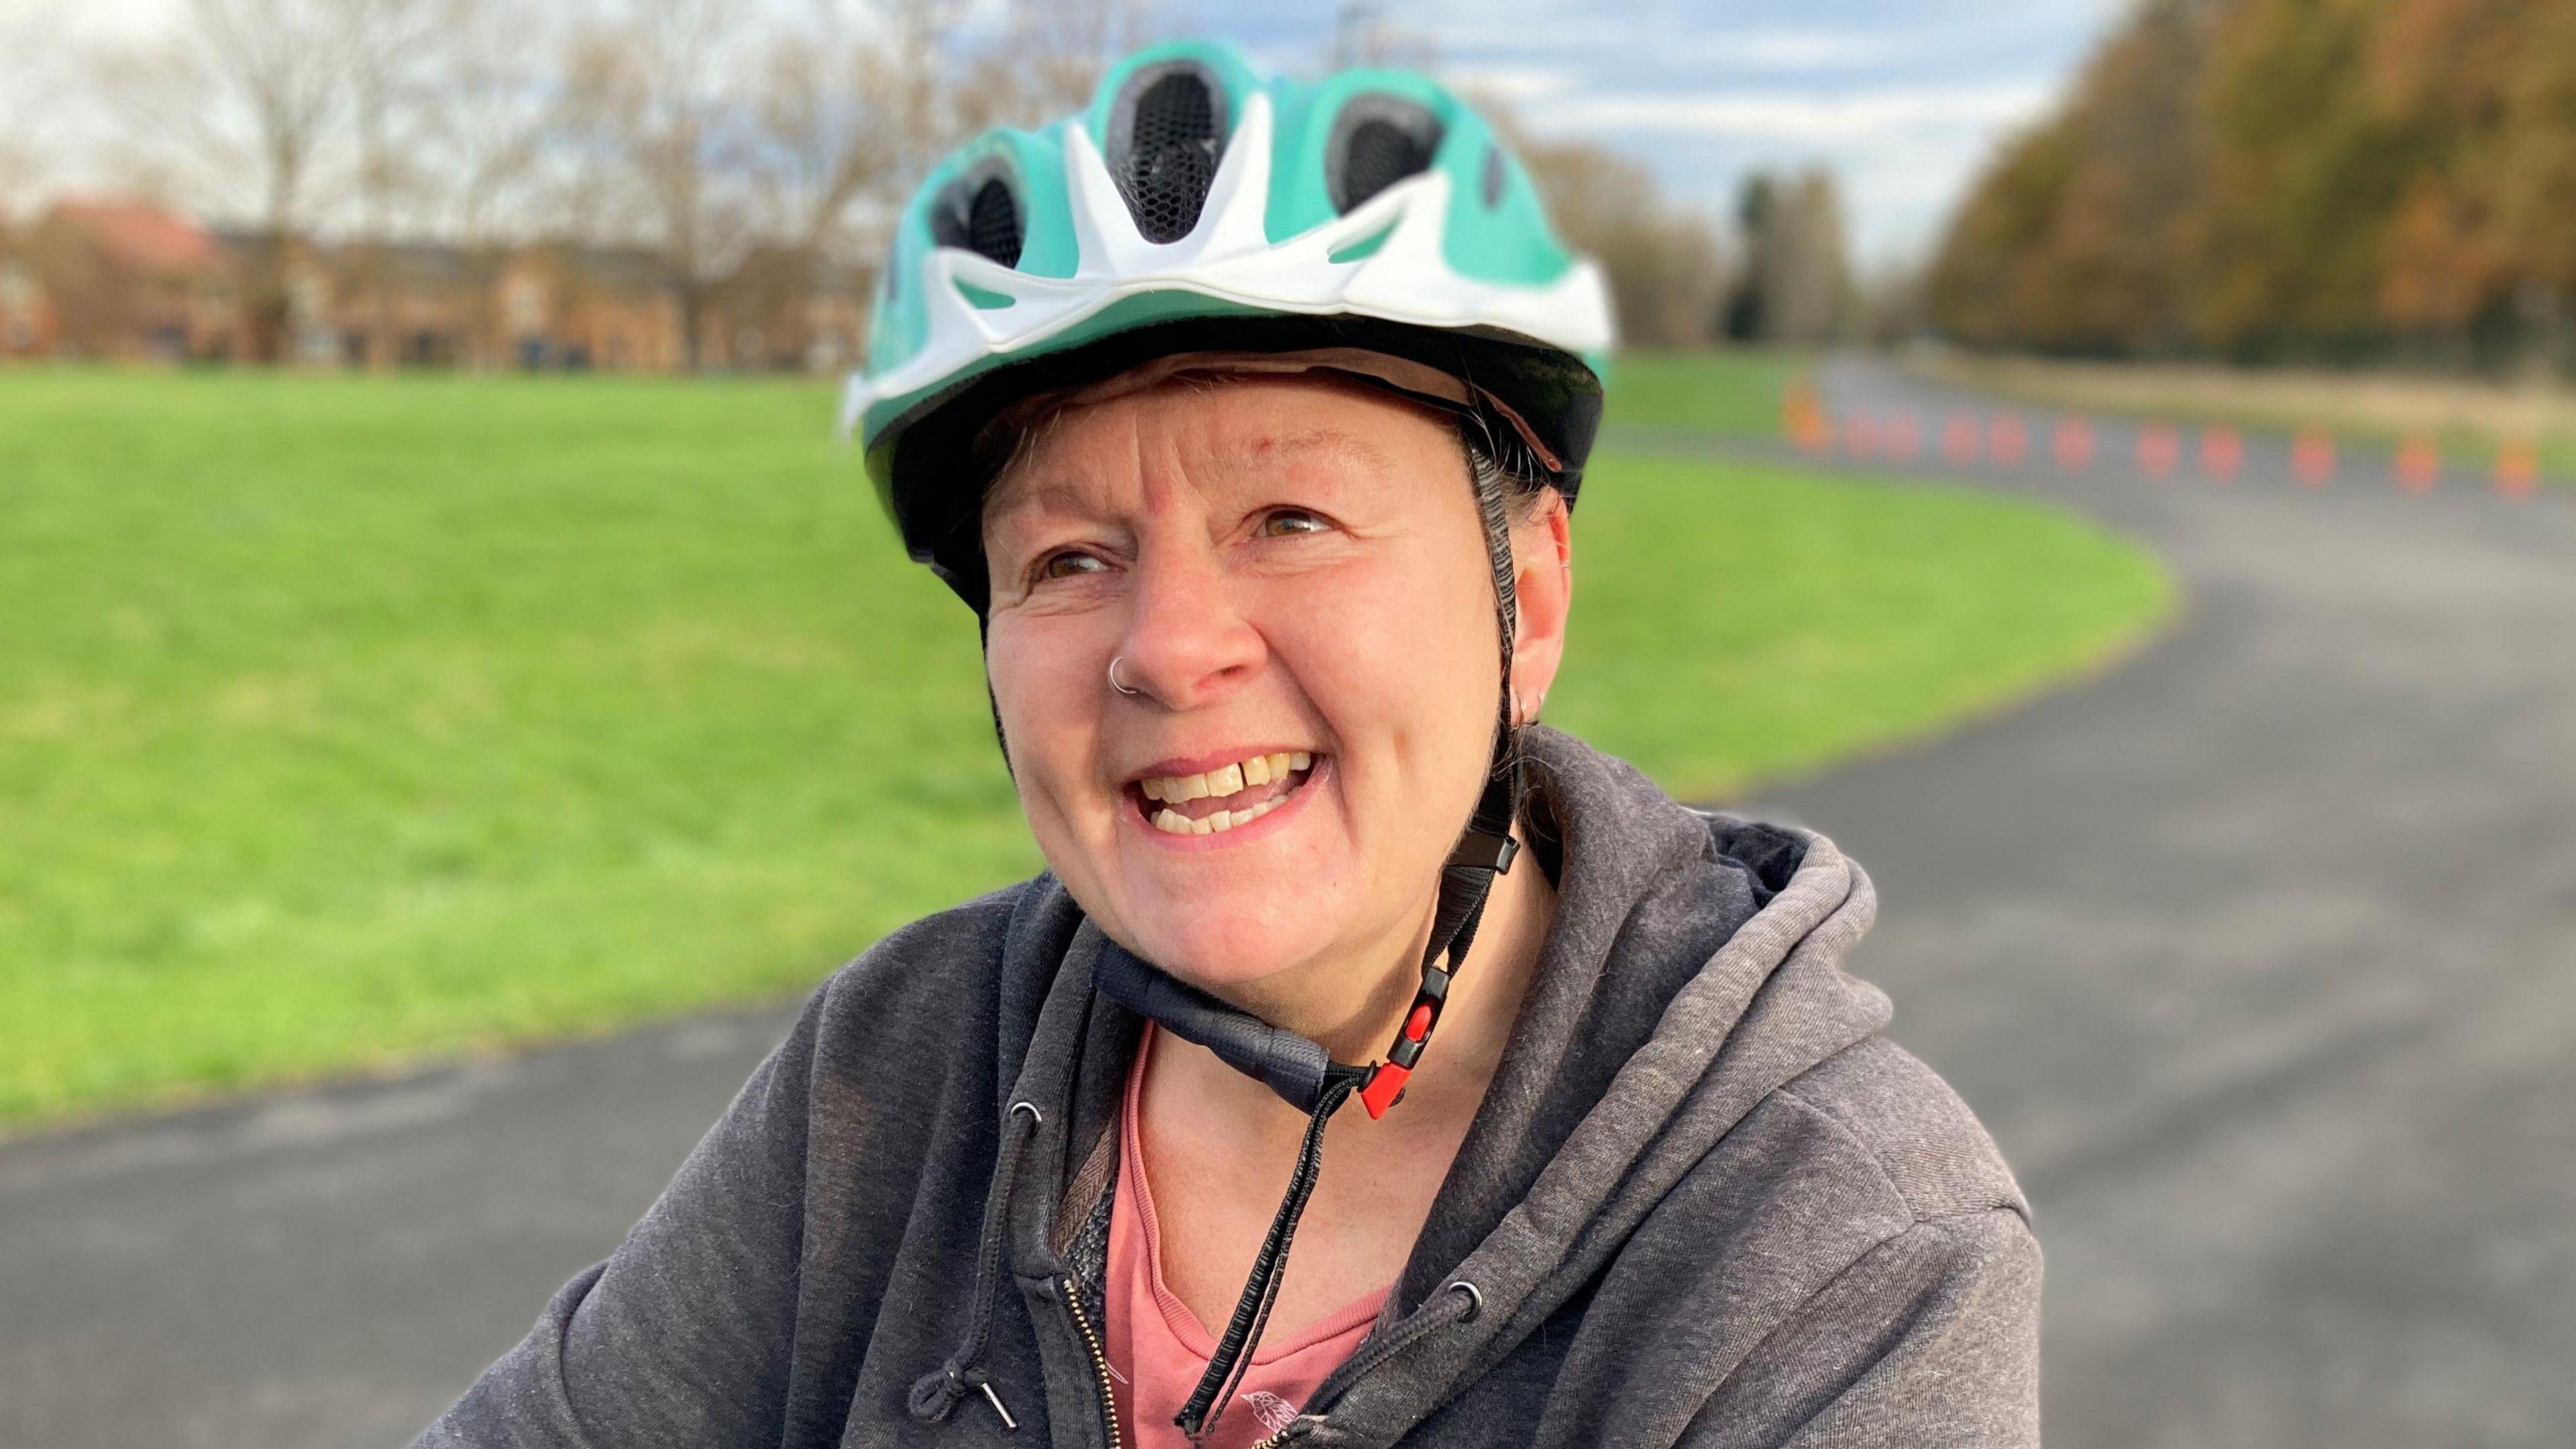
(1385,1084)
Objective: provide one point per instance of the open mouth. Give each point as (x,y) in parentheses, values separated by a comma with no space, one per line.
(1222,799)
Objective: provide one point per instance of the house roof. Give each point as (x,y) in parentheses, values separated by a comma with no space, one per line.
(635,268)
(425,261)
(141,235)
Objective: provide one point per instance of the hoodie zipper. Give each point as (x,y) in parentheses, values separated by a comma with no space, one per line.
(1099,1361)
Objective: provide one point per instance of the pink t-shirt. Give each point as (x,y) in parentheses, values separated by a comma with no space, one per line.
(1158,1349)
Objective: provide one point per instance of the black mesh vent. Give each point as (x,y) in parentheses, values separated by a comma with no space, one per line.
(993,224)
(1378,141)
(1172,134)
(981,215)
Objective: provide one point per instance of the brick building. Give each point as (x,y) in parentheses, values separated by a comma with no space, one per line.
(122,280)
(129,281)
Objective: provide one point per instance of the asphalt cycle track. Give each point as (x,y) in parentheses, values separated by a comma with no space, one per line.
(2257,953)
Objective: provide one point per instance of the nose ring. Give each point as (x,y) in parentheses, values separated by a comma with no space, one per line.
(1114,662)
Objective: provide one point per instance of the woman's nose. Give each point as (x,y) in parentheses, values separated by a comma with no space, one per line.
(1188,642)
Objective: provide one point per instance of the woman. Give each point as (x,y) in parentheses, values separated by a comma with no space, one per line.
(1249,416)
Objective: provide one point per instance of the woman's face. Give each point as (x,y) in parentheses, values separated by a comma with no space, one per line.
(1292,575)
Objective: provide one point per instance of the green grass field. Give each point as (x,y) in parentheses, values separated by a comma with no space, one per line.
(345,722)
(1735,391)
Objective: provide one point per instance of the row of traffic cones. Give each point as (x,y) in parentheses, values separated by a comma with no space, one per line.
(2005,439)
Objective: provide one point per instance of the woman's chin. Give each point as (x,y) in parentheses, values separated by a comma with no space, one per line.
(1216,949)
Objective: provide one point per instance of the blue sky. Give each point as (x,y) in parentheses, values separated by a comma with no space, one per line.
(1902,100)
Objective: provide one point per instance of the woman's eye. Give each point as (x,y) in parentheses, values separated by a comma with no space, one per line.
(1282,522)
(1068,565)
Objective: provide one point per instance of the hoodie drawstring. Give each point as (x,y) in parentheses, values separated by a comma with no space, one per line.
(1234,1351)
(935,1393)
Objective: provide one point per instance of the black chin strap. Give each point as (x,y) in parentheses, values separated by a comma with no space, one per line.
(1466,882)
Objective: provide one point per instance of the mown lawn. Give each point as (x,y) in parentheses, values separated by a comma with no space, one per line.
(1735,391)
(345,721)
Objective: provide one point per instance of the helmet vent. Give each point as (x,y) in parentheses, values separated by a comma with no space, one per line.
(1164,136)
(979,213)
(1378,140)
(993,223)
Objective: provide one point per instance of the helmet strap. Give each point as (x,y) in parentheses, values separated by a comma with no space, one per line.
(1297,1068)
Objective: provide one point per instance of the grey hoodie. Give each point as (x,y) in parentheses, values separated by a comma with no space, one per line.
(1703,1202)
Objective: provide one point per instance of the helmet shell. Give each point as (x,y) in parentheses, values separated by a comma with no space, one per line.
(1199,205)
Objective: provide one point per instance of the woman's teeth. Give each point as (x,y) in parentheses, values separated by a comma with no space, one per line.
(1173,822)
(1255,771)
(1258,770)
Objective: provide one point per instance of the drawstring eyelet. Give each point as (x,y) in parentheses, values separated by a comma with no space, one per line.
(1475,1299)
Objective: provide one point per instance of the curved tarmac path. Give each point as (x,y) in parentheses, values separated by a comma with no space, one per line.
(2258,955)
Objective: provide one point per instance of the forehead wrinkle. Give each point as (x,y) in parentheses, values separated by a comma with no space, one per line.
(1331,443)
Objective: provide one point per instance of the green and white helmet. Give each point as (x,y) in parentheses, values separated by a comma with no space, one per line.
(1198,205)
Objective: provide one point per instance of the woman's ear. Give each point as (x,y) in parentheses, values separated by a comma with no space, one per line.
(1543,555)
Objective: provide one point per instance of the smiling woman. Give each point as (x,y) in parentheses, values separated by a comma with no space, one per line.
(1271,544)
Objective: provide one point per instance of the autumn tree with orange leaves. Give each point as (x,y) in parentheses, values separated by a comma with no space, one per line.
(2323,179)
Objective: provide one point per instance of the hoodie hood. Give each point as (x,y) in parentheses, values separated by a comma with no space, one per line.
(1695,966)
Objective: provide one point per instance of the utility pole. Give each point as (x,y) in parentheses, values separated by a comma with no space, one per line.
(1353,22)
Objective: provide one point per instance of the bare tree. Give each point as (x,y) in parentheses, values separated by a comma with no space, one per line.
(651,89)
(1047,57)
(850,98)
(237,107)
(30,102)
(1665,263)
(481,147)
(858,101)
(385,44)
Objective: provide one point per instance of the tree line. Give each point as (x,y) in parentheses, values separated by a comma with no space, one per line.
(701,129)
(2320,180)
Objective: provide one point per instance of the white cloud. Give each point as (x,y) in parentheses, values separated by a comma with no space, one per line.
(1515,85)
(1800,50)
(1617,38)
(1793,116)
